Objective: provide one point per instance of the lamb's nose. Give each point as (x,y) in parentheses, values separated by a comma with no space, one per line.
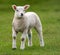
(21,14)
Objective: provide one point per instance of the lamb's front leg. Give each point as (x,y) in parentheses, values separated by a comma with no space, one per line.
(13,39)
(23,38)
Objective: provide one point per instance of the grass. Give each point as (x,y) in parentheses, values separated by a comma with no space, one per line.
(49,12)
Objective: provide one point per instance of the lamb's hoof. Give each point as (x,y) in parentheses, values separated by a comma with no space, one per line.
(22,48)
(42,45)
(13,48)
(30,45)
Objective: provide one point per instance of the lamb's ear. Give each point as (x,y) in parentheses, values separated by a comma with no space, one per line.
(14,7)
(26,7)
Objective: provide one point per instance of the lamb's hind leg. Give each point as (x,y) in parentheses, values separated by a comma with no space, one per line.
(29,38)
(39,30)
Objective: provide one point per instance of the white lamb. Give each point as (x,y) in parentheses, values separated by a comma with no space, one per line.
(24,22)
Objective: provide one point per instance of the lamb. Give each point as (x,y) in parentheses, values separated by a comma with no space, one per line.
(23,22)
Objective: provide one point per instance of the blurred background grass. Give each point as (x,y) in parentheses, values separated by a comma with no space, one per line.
(49,12)
(43,5)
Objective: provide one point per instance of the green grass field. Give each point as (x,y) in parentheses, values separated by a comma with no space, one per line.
(49,12)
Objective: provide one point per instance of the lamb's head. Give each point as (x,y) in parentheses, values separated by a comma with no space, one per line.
(20,10)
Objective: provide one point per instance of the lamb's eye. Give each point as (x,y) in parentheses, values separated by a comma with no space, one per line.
(17,10)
